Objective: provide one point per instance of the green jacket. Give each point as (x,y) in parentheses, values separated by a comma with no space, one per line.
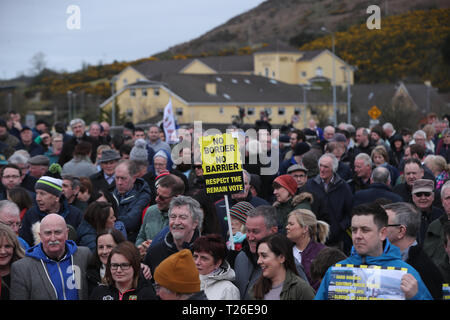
(154,221)
(300,201)
(295,288)
(434,240)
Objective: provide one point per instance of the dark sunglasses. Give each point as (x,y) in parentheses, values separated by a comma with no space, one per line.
(420,194)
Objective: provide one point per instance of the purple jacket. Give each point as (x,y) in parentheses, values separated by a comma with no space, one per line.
(308,255)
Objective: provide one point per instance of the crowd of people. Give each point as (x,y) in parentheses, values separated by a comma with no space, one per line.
(86,213)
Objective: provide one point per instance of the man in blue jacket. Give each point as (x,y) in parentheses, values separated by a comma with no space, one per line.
(54,269)
(132,195)
(371,247)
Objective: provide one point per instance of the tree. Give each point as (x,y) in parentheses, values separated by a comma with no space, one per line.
(38,63)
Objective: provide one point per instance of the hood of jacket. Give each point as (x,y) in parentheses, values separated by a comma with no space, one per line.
(224,272)
(139,186)
(390,253)
(61,274)
(38,253)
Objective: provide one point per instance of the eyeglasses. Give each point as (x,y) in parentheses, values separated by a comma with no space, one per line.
(123,266)
(394,225)
(421,194)
(12,224)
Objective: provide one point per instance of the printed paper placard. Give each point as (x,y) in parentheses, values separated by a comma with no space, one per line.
(362,282)
(222,165)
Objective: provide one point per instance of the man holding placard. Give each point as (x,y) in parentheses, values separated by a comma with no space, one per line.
(393,279)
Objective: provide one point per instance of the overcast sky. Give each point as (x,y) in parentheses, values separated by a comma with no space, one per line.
(109,29)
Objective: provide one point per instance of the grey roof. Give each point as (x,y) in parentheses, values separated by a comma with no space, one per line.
(367,95)
(236,88)
(309,55)
(221,64)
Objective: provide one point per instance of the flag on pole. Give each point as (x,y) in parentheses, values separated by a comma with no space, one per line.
(169,124)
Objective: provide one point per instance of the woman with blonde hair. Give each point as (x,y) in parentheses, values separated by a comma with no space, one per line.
(10,251)
(308,235)
(440,168)
(380,157)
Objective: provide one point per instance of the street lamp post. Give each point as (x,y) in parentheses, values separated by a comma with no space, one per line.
(334,76)
(113,109)
(69,107)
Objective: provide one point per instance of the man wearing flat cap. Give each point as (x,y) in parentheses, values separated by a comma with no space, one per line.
(105,179)
(423,197)
(38,165)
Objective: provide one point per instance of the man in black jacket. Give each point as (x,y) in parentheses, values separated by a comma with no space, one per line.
(105,179)
(403,227)
(78,128)
(185,217)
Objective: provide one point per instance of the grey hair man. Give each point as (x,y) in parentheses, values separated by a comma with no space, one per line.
(402,230)
(378,188)
(185,221)
(338,197)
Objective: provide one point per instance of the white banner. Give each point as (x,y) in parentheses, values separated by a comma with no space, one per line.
(169,124)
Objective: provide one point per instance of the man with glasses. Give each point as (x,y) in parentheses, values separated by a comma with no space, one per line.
(11,177)
(423,197)
(156,216)
(185,218)
(10,216)
(402,231)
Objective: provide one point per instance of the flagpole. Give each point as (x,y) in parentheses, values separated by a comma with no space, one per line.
(227,208)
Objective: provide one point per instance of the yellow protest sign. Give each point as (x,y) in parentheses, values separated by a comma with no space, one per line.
(221,162)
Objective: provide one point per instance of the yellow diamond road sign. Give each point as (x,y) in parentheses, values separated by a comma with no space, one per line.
(374,112)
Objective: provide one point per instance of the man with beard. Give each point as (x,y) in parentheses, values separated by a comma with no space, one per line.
(156,217)
(185,217)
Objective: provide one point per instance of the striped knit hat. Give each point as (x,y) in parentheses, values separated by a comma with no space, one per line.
(240,210)
(50,185)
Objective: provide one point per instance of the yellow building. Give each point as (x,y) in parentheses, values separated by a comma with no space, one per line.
(215,89)
(296,67)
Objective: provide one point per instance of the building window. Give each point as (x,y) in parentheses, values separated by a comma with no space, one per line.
(132,92)
(268,111)
(144,92)
(303,74)
(273,74)
(179,111)
(125,82)
(266,72)
(281,111)
(221,110)
(319,72)
(250,111)
(156,92)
